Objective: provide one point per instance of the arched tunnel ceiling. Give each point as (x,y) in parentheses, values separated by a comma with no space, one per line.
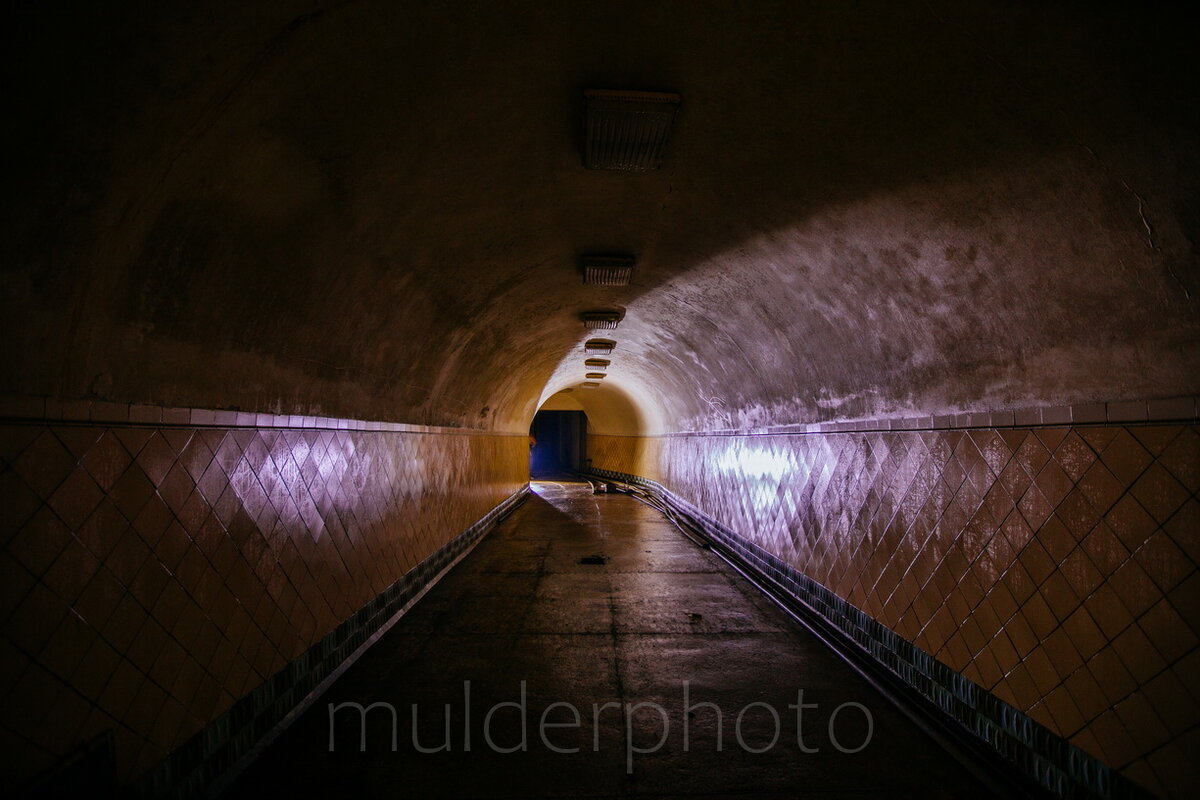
(376,209)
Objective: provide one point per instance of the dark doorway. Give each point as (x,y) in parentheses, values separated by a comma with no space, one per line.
(559,443)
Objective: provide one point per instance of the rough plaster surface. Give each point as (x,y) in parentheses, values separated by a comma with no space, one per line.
(374,210)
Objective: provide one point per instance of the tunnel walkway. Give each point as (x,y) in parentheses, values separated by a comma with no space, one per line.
(596,604)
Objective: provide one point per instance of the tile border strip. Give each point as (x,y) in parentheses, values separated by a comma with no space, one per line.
(1036,753)
(212,757)
(1125,412)
(44,410)
(49,409)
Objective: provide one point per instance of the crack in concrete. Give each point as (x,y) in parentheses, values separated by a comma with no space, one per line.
(1141,203)
(1075,138)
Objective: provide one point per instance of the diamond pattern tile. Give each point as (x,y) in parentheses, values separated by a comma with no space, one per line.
(1041,563)
(154,576)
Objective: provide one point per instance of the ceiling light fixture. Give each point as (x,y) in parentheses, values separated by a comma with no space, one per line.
(602,320)
(627,130)
(607,270)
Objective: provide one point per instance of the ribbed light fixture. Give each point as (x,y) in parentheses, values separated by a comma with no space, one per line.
(602,319)
(596,363)
(598,347)
(627,130)
(607,270)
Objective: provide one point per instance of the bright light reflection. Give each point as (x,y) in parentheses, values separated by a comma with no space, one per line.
(752,462)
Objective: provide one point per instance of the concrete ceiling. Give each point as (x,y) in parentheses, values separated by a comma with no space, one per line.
(375,209)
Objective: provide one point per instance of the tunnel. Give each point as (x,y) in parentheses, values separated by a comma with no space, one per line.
(865,338)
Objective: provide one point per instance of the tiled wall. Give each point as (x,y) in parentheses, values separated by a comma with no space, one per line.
(1055,567)
(154,574)
(633,455)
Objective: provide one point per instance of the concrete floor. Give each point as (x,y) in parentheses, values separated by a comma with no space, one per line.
(658,613)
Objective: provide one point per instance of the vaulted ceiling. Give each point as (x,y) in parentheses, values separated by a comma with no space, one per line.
(376,209)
